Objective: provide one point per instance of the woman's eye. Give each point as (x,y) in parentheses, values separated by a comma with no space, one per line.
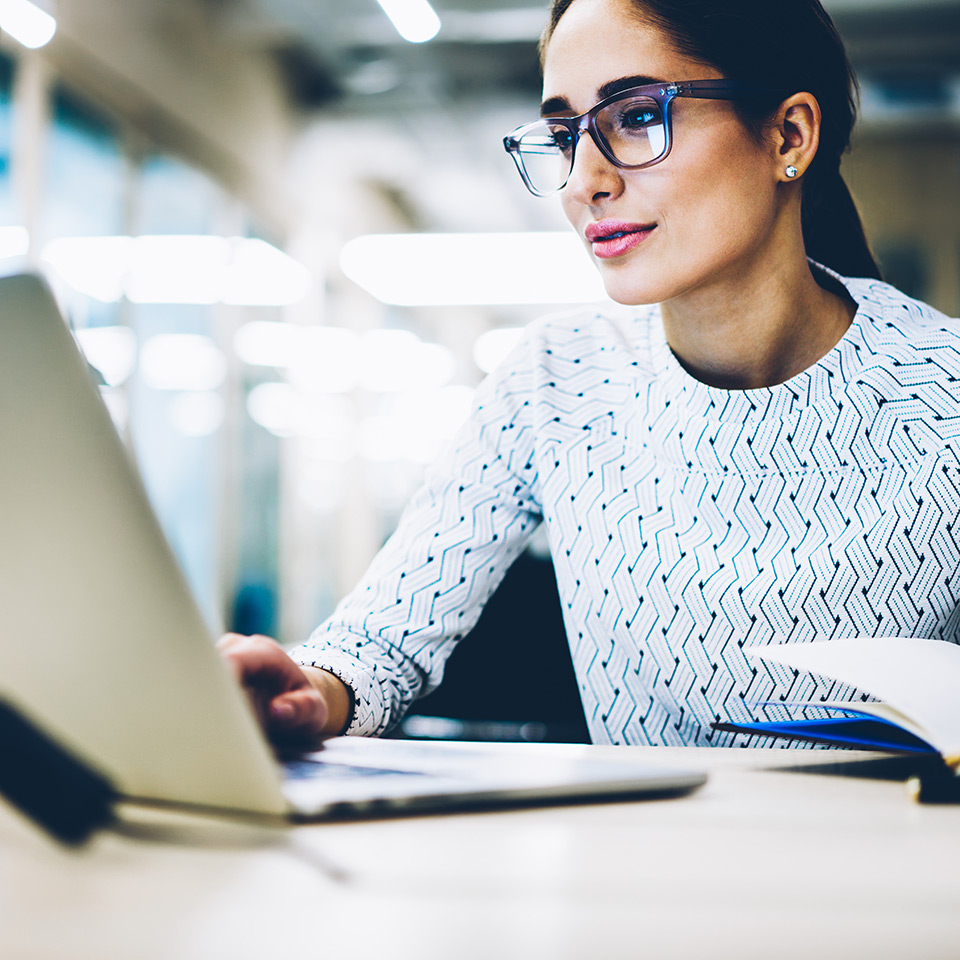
(562,139)
(633,119)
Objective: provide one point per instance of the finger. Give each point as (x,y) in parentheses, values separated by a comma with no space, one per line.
(259,660)
(231,642)
(303,712)
(227,639)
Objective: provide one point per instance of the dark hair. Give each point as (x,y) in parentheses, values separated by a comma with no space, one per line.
(788,44)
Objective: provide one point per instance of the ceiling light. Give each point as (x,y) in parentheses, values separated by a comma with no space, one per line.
(14,241)
(112,350)
(276,407)
(268,343)
(27,23)
(94,266)
(397,360)
(176,269)
(328,360)
(182,361)
(258,274)
(415,20)
(335,360)
(198,413)
(432,269)
(329,423)
(179,269)
(414,426)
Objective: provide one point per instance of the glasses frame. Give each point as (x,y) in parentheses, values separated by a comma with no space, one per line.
(662,93)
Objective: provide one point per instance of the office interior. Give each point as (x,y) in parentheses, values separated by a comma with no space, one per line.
(289,241)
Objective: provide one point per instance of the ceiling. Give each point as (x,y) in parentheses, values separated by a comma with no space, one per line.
(347,53)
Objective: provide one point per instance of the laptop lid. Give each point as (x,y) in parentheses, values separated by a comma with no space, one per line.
(101,642)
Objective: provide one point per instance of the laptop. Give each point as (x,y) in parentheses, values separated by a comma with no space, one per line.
(104,648)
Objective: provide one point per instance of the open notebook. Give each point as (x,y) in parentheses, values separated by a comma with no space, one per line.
(102,645)
(916,677)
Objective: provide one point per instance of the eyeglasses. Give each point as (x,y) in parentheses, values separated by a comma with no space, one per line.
(632,129)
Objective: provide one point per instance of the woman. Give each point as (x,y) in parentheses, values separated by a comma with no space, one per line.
(763,452)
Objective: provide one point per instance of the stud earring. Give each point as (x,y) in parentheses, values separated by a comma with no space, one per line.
(791,171)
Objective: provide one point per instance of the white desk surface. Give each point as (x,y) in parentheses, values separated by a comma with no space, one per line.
(759,862)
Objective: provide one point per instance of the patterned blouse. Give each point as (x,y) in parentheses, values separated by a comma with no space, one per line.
(685,521)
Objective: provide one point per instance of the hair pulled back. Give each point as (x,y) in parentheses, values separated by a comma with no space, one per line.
(793,45)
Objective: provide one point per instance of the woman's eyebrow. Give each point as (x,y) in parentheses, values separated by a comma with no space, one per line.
(555,105)
(624,83)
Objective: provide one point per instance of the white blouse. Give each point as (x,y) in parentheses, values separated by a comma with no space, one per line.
(684,521)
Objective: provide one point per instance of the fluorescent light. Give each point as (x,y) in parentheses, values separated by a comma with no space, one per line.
(397,360)
(320,359)
(27,23)
(14,242)
(408,427)
(112,350)
(276,407)
(328,360)
(198,413)
(176,269)
(182,361)
(328,422)
(414,426)
(257,273)
(268,343)
(179,269)
(432,269)
(94,266)
(415,20)
(335,360)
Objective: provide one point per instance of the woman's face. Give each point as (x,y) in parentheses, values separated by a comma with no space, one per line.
(699,218)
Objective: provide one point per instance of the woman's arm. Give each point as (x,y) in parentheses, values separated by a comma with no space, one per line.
(390,637)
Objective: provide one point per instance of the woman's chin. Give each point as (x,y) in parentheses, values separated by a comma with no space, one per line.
(643,283)
(630,294)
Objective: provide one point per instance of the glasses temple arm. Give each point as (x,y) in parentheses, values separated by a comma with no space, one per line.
(724,90)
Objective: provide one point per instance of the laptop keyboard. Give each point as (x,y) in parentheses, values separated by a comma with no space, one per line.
(317,769)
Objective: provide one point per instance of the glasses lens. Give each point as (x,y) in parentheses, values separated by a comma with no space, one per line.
(634,130)
(545,150)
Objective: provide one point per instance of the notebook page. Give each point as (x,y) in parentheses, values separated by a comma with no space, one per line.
(920,677)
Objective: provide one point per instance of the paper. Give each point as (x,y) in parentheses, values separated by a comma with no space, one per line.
(918,676)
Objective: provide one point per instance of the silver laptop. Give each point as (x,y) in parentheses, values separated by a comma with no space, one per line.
(103,646)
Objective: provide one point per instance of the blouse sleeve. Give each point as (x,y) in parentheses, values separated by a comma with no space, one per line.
(389,639)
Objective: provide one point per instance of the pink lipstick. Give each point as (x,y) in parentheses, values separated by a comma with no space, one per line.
(613,238)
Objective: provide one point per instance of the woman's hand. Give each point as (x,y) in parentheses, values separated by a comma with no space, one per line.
(297,706)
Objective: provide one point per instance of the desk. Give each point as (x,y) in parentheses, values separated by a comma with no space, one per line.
(763,861)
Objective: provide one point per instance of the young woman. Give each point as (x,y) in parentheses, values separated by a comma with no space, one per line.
(765,451)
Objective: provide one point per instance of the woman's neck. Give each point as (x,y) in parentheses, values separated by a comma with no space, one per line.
(746,332)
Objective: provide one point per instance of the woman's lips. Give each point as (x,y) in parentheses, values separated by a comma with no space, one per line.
(613,238)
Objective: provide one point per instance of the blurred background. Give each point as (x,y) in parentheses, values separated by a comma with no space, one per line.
(287,236)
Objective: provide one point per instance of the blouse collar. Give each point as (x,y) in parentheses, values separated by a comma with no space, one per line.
(816,384)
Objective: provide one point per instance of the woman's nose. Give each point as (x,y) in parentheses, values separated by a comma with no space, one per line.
(593,176)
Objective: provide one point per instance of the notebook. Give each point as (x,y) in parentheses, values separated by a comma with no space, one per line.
(103,646)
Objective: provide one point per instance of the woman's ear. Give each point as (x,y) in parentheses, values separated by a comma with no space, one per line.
(796,135)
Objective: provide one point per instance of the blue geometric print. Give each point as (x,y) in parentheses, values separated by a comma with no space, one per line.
(684,521)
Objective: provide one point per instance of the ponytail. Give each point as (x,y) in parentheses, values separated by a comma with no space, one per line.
(832,231)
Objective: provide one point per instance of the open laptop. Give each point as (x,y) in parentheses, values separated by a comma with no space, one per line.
(103,646)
